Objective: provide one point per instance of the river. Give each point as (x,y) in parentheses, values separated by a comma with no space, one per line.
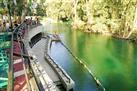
(112,61)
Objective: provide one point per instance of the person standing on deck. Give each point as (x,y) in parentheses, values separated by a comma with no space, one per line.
(7,26)
(4,26)
(0,27)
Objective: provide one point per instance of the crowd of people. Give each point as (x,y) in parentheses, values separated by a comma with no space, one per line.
(7,26)
(32,21)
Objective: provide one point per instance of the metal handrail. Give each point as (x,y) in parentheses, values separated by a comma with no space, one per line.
(26,76)
(10,73)
(17,28)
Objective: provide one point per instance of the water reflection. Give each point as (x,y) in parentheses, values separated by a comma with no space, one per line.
(83,81)
(111,60)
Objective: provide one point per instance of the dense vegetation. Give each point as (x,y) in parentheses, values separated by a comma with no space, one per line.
(116,17)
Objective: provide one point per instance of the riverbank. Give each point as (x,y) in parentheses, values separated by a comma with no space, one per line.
(87,28)
(93,29)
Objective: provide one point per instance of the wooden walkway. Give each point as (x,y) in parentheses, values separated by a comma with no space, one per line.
(19,70)
(51,76)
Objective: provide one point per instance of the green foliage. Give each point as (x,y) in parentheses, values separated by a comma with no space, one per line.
(59,9)
(40,11)
(1,10)
(115,16)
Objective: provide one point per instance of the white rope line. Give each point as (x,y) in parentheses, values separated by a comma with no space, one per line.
(81,61)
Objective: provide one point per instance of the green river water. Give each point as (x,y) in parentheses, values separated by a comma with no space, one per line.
(112,61)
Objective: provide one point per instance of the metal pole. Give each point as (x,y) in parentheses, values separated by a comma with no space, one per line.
(10,74)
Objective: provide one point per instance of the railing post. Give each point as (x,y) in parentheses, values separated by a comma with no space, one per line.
(10,74)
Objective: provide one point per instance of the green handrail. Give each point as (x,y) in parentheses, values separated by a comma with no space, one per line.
(3,67)
(6,41)
(5,61)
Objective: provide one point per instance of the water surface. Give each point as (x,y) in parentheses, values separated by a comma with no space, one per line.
(112,61)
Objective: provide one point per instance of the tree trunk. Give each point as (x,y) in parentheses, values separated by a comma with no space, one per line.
(75,10)
(89,13)
(24,12)
(131,30)
(124,20)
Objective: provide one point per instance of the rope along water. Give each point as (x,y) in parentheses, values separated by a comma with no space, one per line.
(81,61)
